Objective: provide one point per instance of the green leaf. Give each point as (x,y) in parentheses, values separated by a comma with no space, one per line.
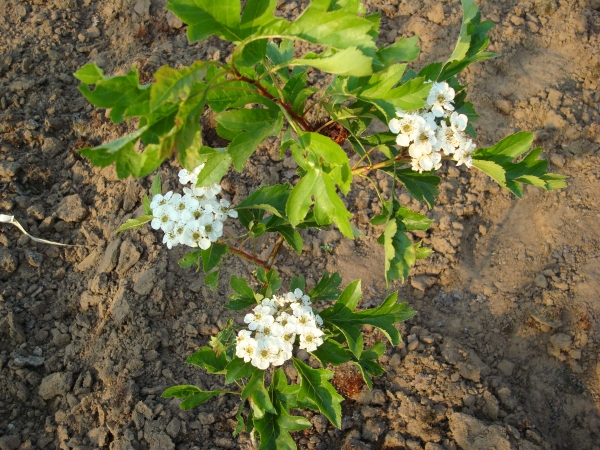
(326,288)
(122,94)
(470,14)
(206,358)
(410,95)
(244,296)
(314,386)
(348,62)
(270,280)
(344,319)
(156,186)
(274,429)
(207,17)
(471,44)
(135,223)
(294,86)
(255,390)
(146,205)
(366,363)
(327,166)
(175,85)
(194,396)
(498,163)
(403,50)
(123,154)
(248,128)
(216,165)
(211,257)
(257,13)
(331,352)
(297,283)
(212,280)
(237,369)
(191,259)
(400,253)
(412,220)
(422,252)
(268,198)
(291,236)
(90,74)
(422,186)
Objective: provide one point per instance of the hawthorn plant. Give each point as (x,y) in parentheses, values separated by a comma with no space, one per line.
(262,91)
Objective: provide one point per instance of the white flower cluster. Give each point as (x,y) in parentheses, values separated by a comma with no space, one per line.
(194,218)
(434,129)
(277,323)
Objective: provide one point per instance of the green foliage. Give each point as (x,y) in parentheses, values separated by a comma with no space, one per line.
(193,395)
(138,222)
(263,92)
(499,163)
(341,317)
(314,385)
(326,165)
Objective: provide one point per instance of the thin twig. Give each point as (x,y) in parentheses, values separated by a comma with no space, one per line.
(273,254)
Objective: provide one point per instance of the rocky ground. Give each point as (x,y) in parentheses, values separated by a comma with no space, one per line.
(504,352)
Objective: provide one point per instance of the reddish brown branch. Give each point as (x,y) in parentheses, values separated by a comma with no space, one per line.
(262,91)
(247,256)
(273,254)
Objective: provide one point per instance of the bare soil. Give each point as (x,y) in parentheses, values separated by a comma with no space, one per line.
(504,352)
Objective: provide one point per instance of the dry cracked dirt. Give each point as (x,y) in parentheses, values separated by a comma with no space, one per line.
(504,353)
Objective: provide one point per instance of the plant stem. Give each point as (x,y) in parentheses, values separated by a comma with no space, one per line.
(273,254)
(247,256)
(262,91)
(386,163)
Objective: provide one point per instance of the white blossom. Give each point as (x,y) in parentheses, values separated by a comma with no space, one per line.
(246,349)
(440,99)
(275,325)
(311,339)
(434,131)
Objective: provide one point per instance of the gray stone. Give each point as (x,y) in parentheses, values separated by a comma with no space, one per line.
(98,436)
(23,361)
(34,258)
(72,209)
(142,9)
(145,281)
(394,440)
(128,256)
(561,341)
(206,418)
(173,21)
(110,257)
(466,360)
(471,434)
(320,422)
(120,307)
(173,427)
(160,441)
(490,407)
(8,169)
(433,446)
(541,281)
(52,147)
(422,282)
(506,367)
(373,429)
(10,442)
(8,262)
(557,160)
(58,383)
(11,326)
